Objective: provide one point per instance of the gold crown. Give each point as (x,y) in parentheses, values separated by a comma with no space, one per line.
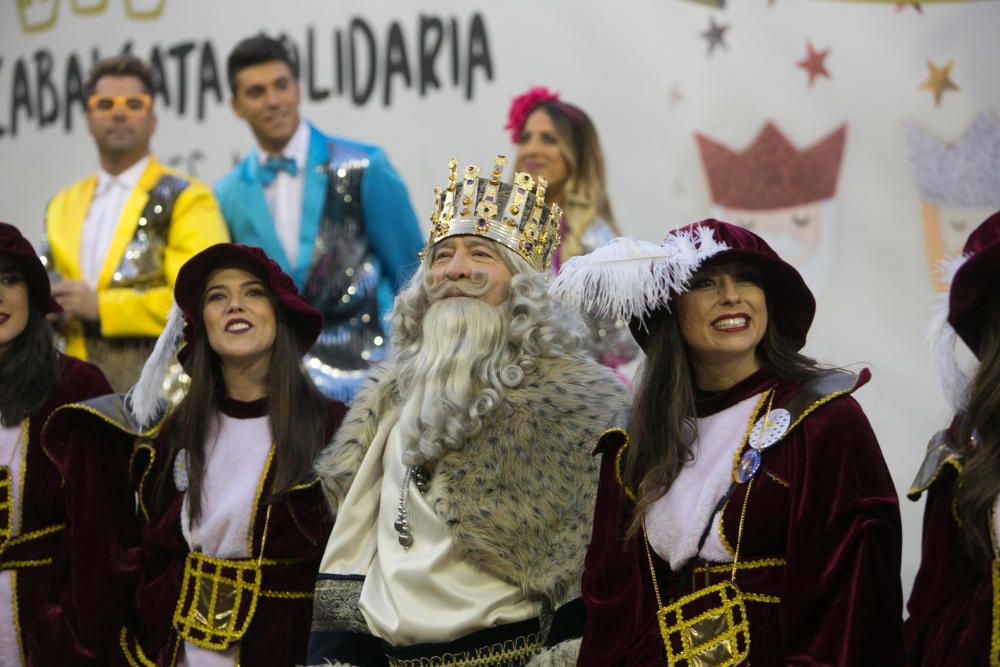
(512,214)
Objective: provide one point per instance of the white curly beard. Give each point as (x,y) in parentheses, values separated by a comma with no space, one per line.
(456,377)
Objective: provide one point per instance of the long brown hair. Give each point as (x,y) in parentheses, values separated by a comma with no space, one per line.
(296,415)
(585,196)
(663,425)
(979,481)
(29,369)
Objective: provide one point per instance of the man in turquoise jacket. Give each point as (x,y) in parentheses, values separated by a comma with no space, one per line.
(333,213)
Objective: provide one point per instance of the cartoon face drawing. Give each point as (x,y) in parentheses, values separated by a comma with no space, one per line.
(784,194)
(959,186)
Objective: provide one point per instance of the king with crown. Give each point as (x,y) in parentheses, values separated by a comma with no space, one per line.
(461,480)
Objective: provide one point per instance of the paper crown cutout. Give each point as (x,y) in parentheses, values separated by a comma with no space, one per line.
(513,214)
(963,174)
(772,173)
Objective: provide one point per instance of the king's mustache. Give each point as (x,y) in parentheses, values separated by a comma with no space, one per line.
(475,285)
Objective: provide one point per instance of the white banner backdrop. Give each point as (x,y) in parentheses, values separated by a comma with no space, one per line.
(679,91)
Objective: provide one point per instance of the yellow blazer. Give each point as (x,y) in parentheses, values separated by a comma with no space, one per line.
(127,311)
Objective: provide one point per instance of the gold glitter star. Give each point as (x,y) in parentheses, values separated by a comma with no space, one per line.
(938,80)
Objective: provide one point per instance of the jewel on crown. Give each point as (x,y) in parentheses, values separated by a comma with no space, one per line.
(513,214)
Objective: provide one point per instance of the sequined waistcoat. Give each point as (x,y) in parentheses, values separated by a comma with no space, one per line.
(343,279)
(140,268)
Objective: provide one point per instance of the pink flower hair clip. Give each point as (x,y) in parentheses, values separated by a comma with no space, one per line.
(522,105)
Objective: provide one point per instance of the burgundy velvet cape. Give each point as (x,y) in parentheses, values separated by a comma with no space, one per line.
(131,568)
(823,502)
(42,503)
(951,604)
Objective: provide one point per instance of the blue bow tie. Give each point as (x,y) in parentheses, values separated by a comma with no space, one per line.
(273,165)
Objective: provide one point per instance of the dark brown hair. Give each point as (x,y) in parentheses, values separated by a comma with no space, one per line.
(255,51)
(122,65)
(29,369)
(296,414)
(979,481)
(663,426)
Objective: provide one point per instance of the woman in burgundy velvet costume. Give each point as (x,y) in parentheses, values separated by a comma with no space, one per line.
(232,522)
(34,380)
(955,603)
(745,514)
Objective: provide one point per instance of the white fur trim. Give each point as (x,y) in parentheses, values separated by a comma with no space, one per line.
(628,278)
(943,339)
(143,399)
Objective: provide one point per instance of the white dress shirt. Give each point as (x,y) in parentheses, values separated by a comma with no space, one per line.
(284,194)
(110,197)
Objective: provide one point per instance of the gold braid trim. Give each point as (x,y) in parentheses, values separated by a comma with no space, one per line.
(16,615)
(256,506)
(286,595)
(494,655)
(138,659)
(995,633)
(34,535)
(690,632)
(745,565)
(629,493)
(22,564)
(757,597)
(736,463)
(139,445)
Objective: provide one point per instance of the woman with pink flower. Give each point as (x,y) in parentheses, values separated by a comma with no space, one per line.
(558,142)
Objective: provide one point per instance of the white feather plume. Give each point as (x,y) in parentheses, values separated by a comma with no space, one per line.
(943,340)
(143,399)
(627,278)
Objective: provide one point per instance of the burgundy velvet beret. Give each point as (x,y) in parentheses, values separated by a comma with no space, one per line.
(305,321)
(792,305)
(15,246)
(976,281)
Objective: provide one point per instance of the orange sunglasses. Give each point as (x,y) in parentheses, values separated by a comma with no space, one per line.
(133,104)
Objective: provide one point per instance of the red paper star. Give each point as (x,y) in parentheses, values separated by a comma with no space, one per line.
(814,63)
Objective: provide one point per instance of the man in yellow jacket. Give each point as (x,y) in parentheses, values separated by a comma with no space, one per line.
(116,239)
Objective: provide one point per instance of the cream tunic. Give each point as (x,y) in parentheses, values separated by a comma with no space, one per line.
(236,453)
(428,593)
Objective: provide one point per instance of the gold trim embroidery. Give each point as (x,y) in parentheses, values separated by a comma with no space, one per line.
(699,637)
(745,565)
(736,463)
(23,564)
(217,601)
(16,615)
(776,478)
(618,461)
(759,597)
(142,444)
(34,535)
(286,595)
(134,660)
(256,504)
(500,653)
(10,506)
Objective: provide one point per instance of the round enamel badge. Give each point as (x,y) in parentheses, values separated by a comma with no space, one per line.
(764,435)
(181,470)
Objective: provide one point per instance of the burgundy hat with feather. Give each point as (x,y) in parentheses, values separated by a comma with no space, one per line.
(632,280)
(975,281)
(14,245)
(305,321)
